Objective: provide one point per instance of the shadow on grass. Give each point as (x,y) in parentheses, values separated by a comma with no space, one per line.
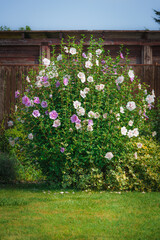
(29,186)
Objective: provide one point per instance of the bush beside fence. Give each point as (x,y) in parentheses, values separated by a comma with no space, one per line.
(12,78)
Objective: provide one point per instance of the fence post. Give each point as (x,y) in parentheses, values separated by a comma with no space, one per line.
(45,51)
(2,89)
(147,55)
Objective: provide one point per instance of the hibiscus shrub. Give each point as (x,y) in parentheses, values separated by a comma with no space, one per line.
(80,117)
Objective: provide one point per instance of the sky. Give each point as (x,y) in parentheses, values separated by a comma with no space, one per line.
(79,14)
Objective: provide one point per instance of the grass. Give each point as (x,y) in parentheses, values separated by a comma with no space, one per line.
(36,213)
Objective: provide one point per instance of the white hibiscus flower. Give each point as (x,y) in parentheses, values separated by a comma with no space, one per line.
(88,64)
(131,106)
(76,104)
(109,155)
(81,111)
(123,130)
(72,51)
(90,79)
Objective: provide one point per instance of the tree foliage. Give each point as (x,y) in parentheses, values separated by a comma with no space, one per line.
(157,13)
(5,28)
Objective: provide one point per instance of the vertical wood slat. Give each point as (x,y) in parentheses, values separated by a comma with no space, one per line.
(157,81)
(148,75)
(2,90)
(19,80)
(7,91)
(14,70)
(139,71)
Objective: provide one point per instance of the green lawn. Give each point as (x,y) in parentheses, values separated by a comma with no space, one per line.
(33,213)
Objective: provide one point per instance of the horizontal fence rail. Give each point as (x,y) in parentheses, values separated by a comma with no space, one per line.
(12,79)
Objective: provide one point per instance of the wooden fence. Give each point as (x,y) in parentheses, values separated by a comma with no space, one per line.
(11,79)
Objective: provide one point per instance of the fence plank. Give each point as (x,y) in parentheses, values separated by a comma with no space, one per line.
(157,81)
(2,91)
(7,90)
(139,71)
(14,70)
